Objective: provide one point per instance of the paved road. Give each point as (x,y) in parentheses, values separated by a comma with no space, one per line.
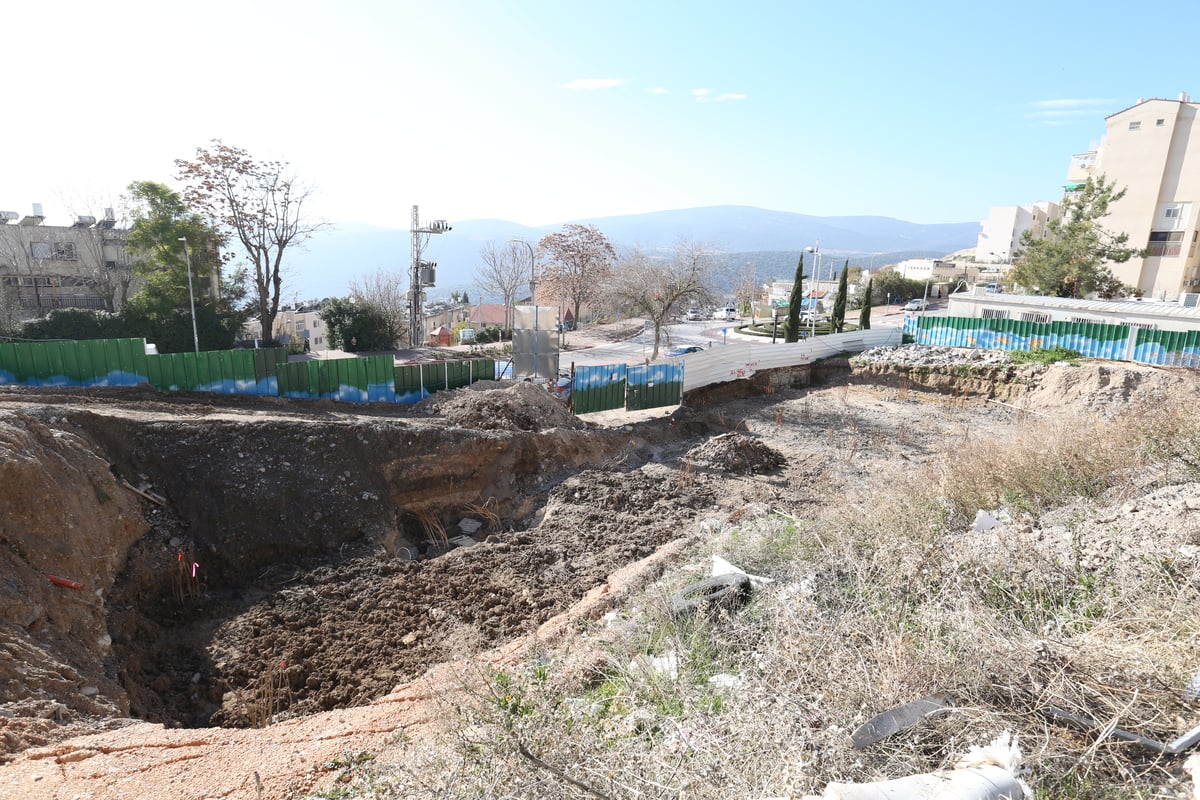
(706,333)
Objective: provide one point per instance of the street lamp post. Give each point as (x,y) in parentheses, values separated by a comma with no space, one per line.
(187,258)
(812,318)
(532,300)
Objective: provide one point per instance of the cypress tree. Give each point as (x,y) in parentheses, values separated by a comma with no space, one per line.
(864,315)
(839,304)
(791,331)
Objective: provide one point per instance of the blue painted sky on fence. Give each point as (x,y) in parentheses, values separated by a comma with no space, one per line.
(542,111)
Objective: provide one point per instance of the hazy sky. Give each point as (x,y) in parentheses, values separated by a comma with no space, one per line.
(543,111)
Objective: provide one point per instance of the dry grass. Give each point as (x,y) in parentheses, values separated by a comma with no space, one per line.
(867,611)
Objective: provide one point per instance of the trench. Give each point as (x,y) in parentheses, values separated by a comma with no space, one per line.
(300,566)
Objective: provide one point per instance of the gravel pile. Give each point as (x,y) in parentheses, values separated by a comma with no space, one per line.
(919,355)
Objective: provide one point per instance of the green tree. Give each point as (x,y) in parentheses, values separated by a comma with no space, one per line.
(1072,259)
(355,327)
(791,330)
(864,314)
(160,220)
(838,317)
(161,309)
(892,286)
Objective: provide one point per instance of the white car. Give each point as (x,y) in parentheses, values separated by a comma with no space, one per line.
(729,313)
(916,304)
(693,314)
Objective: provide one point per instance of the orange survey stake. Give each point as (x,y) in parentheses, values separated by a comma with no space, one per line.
(70,584)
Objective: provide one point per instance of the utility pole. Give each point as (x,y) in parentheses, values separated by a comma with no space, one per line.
(422,274)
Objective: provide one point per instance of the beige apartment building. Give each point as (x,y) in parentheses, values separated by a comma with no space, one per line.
(44,267)
(1000,234)
(1152,151)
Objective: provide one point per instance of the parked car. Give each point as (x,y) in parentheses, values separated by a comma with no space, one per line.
(728,313)
(683,351)
(693,314)
(916,304)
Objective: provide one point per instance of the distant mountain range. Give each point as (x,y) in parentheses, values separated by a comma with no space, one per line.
(771,240)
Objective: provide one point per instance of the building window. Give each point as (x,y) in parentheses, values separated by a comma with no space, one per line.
(995,313)
(1172,212)
(40,250)
(1133,126)
(65,251)
(1164,243)
(1034,316)
(1158,123)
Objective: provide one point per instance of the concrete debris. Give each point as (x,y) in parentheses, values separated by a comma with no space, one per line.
(920,355)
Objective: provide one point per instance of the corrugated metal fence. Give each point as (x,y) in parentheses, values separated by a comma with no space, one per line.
(124,362)
(1116,342)
(662,384)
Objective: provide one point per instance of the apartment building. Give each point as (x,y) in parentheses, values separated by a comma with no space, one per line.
(1000,234)
(1152,151)
(43,267)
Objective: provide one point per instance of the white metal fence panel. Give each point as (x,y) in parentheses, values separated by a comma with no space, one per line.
(734,361)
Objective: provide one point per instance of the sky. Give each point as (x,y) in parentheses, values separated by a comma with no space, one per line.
(545,111)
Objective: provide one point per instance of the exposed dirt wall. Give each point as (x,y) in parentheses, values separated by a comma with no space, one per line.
(62,513)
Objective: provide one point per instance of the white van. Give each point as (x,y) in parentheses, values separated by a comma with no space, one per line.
(728,313)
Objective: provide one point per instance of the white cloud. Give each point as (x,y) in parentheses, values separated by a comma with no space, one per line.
(1065,110)
(593,83)
(658,90)
(1071,102)
(701,95)
(730,96)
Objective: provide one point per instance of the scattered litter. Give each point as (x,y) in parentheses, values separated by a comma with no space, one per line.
(897,719)
(665,665)
(1191,692)
(985,522)
(729,591)
(722,567)
(1180,745)
(463,541)
(70,584)
(723,680)
(984,773)
(469,526)
(146,493)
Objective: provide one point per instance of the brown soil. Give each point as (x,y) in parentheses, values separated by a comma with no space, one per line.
(248,561)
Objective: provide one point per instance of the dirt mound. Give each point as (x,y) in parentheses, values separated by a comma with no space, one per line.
(1107,388)
(524,406)
(737,454)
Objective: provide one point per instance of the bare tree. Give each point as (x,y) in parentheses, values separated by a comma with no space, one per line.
(503,272)
(111,265)
(657,288)
(384,293)
(578,261)
(260,204)
(746,287)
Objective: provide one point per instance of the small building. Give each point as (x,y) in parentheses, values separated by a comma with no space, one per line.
(441,336)
(1183,315)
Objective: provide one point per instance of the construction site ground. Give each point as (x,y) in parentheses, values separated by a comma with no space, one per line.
(219,597)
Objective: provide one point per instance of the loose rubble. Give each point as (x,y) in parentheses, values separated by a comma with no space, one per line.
(920,355)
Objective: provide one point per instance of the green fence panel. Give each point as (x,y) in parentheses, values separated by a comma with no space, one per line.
(57,367)
(654,386)
(599,388)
